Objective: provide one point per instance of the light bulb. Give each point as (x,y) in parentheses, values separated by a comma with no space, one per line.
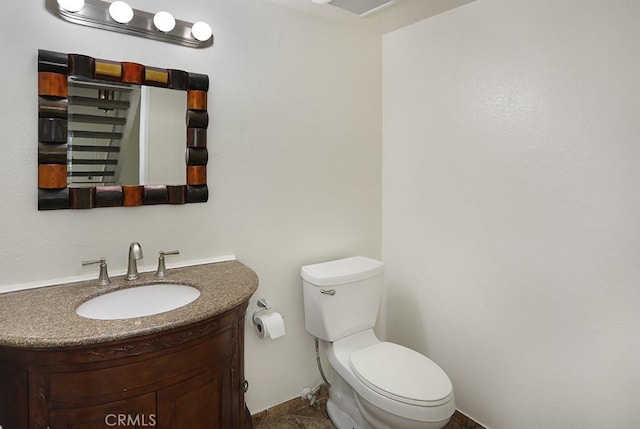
(201,31)
(121,12)
(71,5)
(164,21)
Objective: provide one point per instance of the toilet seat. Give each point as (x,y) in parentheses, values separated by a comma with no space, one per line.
(401,374)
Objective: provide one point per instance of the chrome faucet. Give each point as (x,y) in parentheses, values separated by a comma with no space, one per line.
(161,272)
(103,277)
(135,253)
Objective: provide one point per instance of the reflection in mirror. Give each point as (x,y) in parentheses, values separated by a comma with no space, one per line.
(162,143)
(125,134)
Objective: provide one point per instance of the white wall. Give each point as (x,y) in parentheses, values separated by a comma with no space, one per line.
(511,207)
(294,171)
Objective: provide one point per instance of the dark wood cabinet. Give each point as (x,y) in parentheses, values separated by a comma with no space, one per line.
(139,411)
(198,403)
(185,378)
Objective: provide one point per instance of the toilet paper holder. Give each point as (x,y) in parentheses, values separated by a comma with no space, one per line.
(262,306)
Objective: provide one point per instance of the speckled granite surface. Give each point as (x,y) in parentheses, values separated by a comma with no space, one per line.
(46,317)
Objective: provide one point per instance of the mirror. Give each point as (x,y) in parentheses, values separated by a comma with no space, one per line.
(124,134)
(114,133)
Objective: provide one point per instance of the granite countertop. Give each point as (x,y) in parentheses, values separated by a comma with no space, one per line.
(46,317)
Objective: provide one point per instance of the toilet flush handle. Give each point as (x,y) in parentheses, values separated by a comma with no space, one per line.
(328,292)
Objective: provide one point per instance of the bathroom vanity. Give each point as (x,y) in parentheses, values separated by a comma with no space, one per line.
(174,370)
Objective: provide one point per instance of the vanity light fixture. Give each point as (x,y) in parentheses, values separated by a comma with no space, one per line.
(164,21)
(120,17)
(201,31)
(71,5)
(121,12)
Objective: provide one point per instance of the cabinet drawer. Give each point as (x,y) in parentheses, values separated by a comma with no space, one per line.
(144,375)
(134,412)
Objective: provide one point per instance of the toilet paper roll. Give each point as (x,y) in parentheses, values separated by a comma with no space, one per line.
(270,325)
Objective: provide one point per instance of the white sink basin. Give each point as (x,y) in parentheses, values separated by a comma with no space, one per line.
(138,301)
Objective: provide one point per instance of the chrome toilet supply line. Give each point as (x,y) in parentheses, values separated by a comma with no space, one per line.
(262,306)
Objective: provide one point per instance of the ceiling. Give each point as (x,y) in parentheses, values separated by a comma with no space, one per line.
(399,14)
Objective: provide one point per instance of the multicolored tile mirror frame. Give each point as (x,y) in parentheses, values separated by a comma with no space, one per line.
(54,69)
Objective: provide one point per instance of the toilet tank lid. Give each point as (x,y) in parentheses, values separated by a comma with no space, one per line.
(342,271)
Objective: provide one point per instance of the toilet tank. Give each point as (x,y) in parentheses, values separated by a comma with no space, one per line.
(341,297)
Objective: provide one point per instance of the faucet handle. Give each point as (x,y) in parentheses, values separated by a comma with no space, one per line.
(103,277)
(161,272)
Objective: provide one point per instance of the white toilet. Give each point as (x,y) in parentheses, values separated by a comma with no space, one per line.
(380,385)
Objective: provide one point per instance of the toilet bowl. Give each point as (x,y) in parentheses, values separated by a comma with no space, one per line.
(378,384)
(393,386)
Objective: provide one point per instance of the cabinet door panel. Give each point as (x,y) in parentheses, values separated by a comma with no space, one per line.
(138,412)
(13,398)
(202,402)
(104,383)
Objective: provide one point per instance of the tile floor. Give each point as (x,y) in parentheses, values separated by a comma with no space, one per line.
(315,417)
(309,417)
